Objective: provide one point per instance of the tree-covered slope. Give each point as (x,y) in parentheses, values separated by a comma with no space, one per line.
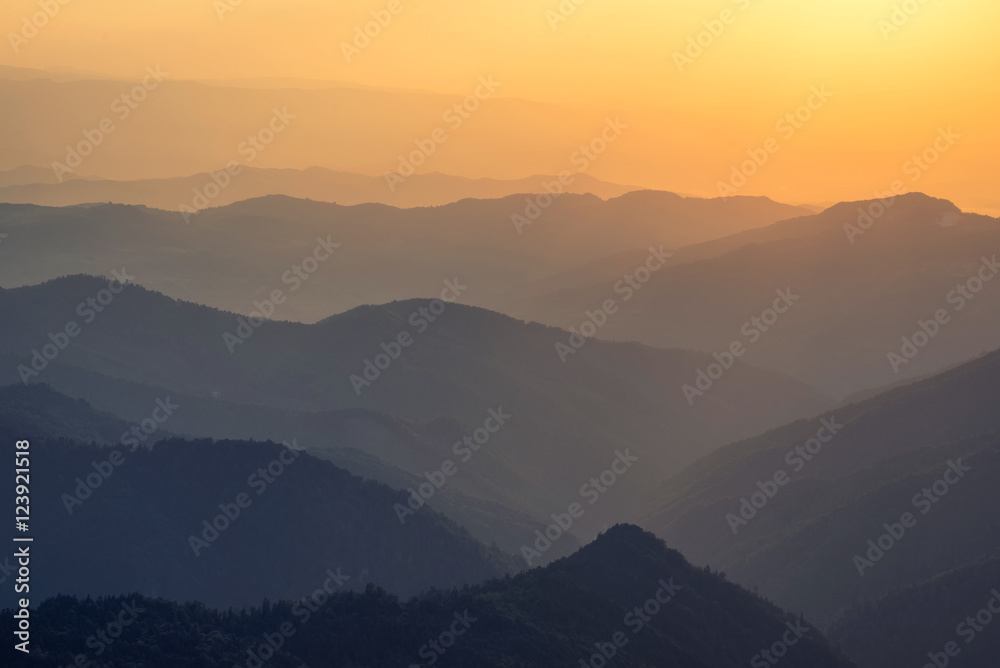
(624,600)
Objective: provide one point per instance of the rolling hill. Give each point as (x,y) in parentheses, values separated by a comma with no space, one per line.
(566,423)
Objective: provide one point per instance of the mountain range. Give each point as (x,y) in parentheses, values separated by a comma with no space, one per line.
(335,257)
(865,283)
(37,185)
(676,267)
(461,372)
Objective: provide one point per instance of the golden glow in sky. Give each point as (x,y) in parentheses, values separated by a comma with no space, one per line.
(899,72)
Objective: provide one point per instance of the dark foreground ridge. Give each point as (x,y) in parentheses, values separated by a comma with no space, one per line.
(625,599)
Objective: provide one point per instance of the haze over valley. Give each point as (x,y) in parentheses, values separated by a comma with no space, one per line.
(397,335)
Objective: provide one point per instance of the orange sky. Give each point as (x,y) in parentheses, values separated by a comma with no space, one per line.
(892,91)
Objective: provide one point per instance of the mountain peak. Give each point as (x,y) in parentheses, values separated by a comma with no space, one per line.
(904,205)
(627,543)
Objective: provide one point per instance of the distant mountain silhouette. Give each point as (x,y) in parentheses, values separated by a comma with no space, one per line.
(625,588)
(31,176)
(228,257)
(858,300)
(39,186)
(189,127)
